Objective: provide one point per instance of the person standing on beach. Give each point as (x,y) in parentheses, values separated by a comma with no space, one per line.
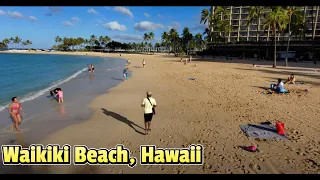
(143,62)
(14,109)
(149,104)
(128,62)
(60,96)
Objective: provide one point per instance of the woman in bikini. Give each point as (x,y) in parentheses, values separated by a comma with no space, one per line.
(14,109)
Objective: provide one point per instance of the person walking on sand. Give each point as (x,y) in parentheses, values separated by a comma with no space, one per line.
(125,74)
(89,68)
(143,62)
(149,104)
(14,109)
(128,61)
(60,96)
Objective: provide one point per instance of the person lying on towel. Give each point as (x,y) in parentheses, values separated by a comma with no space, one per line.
(291,79)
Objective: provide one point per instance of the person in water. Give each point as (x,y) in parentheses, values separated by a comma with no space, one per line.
(60,96)
(89,68)
(291,79)
(92,68)
(14,109)
(125,73)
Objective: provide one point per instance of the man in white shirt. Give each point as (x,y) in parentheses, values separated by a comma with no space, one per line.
(149,105)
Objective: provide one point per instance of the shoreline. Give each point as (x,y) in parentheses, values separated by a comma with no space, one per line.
(212,118)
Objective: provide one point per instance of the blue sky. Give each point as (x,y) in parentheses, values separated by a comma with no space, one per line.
(125,24)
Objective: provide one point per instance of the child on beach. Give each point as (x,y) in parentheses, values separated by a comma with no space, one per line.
(280,87)
(291,79)
(60,96)
(125,73)
(143,62)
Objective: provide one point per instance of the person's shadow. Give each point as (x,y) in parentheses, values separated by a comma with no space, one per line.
(123,119)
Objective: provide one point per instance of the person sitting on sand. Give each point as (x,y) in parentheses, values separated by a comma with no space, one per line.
(14,109)
(60,96)
(148,104)
(128,62)
(291,79)
(280,87)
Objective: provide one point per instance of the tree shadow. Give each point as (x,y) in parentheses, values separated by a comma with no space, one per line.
(123,119)
(287,73)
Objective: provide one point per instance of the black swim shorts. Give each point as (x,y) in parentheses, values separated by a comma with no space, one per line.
(148,117)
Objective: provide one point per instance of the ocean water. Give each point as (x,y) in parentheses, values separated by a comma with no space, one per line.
(29,76)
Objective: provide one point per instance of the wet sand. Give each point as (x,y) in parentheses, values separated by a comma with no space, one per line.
(205,111)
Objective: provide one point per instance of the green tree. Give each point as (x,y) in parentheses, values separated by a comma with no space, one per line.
(17,41)
(6,42)
(277,19)
(174,40)
(295,15)
(166,40)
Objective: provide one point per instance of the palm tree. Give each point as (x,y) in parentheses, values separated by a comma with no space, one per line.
(28,43)
(92,40)
(6,42)
(206,17)
(255,14)
(295,15)
(17,40)
(174,39)
(11,41)
(57,39)
(166,40)
(186,40)
(277,19)
(146,38)
(198,41)
(151,36)
(24,43)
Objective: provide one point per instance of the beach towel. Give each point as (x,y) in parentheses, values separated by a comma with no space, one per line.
(300,82)
(192,79)
(262,131)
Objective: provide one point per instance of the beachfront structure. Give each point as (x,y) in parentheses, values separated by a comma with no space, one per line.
(242,32)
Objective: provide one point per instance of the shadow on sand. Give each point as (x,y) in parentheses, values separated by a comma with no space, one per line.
(123,119)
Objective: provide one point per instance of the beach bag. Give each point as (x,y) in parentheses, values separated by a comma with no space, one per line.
(280,128)
(153,109)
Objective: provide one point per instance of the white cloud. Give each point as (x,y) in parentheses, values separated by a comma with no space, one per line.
(15,14)
(75,19)
(32,18)
(200,27)
(92,11)
(147,15)
(123,10)
(160,16)
(2,13)
(127,37)
(174,25)
(115,26)
(67,23)
(107,7)
(147,26)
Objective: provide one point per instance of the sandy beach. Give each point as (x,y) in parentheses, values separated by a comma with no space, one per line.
(207,111)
